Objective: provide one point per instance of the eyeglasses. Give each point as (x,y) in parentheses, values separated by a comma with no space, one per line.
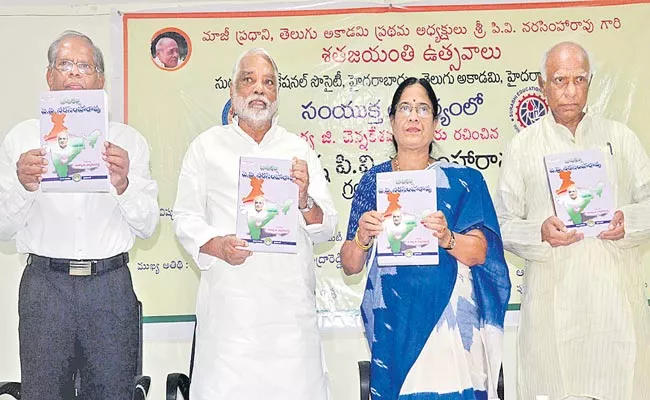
(423,110)
(82,67)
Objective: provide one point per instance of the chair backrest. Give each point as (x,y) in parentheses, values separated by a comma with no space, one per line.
(10,388)
(364,380)
(141,387)
(192,351)
(179,382)
(140,335)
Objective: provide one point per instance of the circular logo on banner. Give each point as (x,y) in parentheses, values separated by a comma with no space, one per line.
(76,178)
(227,113)
(526,107)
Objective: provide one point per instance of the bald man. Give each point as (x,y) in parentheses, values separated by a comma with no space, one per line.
(584,324)
(167,54)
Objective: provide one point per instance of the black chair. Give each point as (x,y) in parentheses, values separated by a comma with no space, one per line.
(141,383)
(179,382)
(10,388)
(364,381)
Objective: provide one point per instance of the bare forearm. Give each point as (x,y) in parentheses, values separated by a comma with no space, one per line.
(313,216)
(470,249)
(352,258)
(212,247)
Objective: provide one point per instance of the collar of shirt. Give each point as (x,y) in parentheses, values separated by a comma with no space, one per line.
(268,136)
(581,130)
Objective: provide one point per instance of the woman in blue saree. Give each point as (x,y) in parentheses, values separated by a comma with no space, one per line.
(434,332)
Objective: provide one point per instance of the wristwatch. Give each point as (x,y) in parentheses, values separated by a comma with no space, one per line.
(309,206)
(452,241)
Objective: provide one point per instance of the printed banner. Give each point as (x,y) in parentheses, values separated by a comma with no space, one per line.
(338,71)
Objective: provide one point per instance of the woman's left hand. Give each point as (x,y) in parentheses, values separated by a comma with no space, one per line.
(438,224)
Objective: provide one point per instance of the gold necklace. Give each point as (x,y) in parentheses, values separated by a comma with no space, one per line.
(396,162)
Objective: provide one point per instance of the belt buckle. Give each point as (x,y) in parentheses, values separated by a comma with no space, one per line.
(81,268)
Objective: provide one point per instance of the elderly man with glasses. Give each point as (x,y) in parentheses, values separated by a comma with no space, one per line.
(583,330)
(68,321)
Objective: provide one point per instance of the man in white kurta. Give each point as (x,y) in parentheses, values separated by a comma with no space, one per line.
(584,329)
(257,333)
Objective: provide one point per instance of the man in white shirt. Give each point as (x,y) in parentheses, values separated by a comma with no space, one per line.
(77,307)
(583,329)
(257,332)
(167,54)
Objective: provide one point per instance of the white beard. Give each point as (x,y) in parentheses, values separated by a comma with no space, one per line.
(254,116)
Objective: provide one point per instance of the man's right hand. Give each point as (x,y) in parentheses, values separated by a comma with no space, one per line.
(223,247)
(30,167)
(555,233)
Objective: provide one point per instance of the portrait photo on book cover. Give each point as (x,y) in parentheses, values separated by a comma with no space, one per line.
(579,201)
(73,129)
(405,199)
(579,185)
(259,212)
(65,147)
(170,49)
(399,226)
(268,205)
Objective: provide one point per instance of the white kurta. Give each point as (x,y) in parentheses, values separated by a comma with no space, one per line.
(257,333)
(585,322)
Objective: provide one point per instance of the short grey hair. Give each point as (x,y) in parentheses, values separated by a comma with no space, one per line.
(98,57)
(256,51)
(161,42)
(585,54)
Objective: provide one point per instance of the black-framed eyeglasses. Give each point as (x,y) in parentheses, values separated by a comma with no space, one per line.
(83,67)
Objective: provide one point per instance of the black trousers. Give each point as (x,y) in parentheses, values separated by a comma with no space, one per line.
(69,322)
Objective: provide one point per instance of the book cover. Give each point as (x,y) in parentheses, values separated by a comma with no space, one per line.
(74,127)
(405,198)
(581,193)
(267,215)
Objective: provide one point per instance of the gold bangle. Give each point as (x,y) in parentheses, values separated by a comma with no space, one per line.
(452,241)
(358,242)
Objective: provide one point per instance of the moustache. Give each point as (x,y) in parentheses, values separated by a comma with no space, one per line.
(253,98)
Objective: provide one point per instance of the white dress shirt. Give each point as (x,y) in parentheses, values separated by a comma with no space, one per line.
(257,333)
(76,225)
(584,328)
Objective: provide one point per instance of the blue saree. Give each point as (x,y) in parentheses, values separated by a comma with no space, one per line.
(406,310)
